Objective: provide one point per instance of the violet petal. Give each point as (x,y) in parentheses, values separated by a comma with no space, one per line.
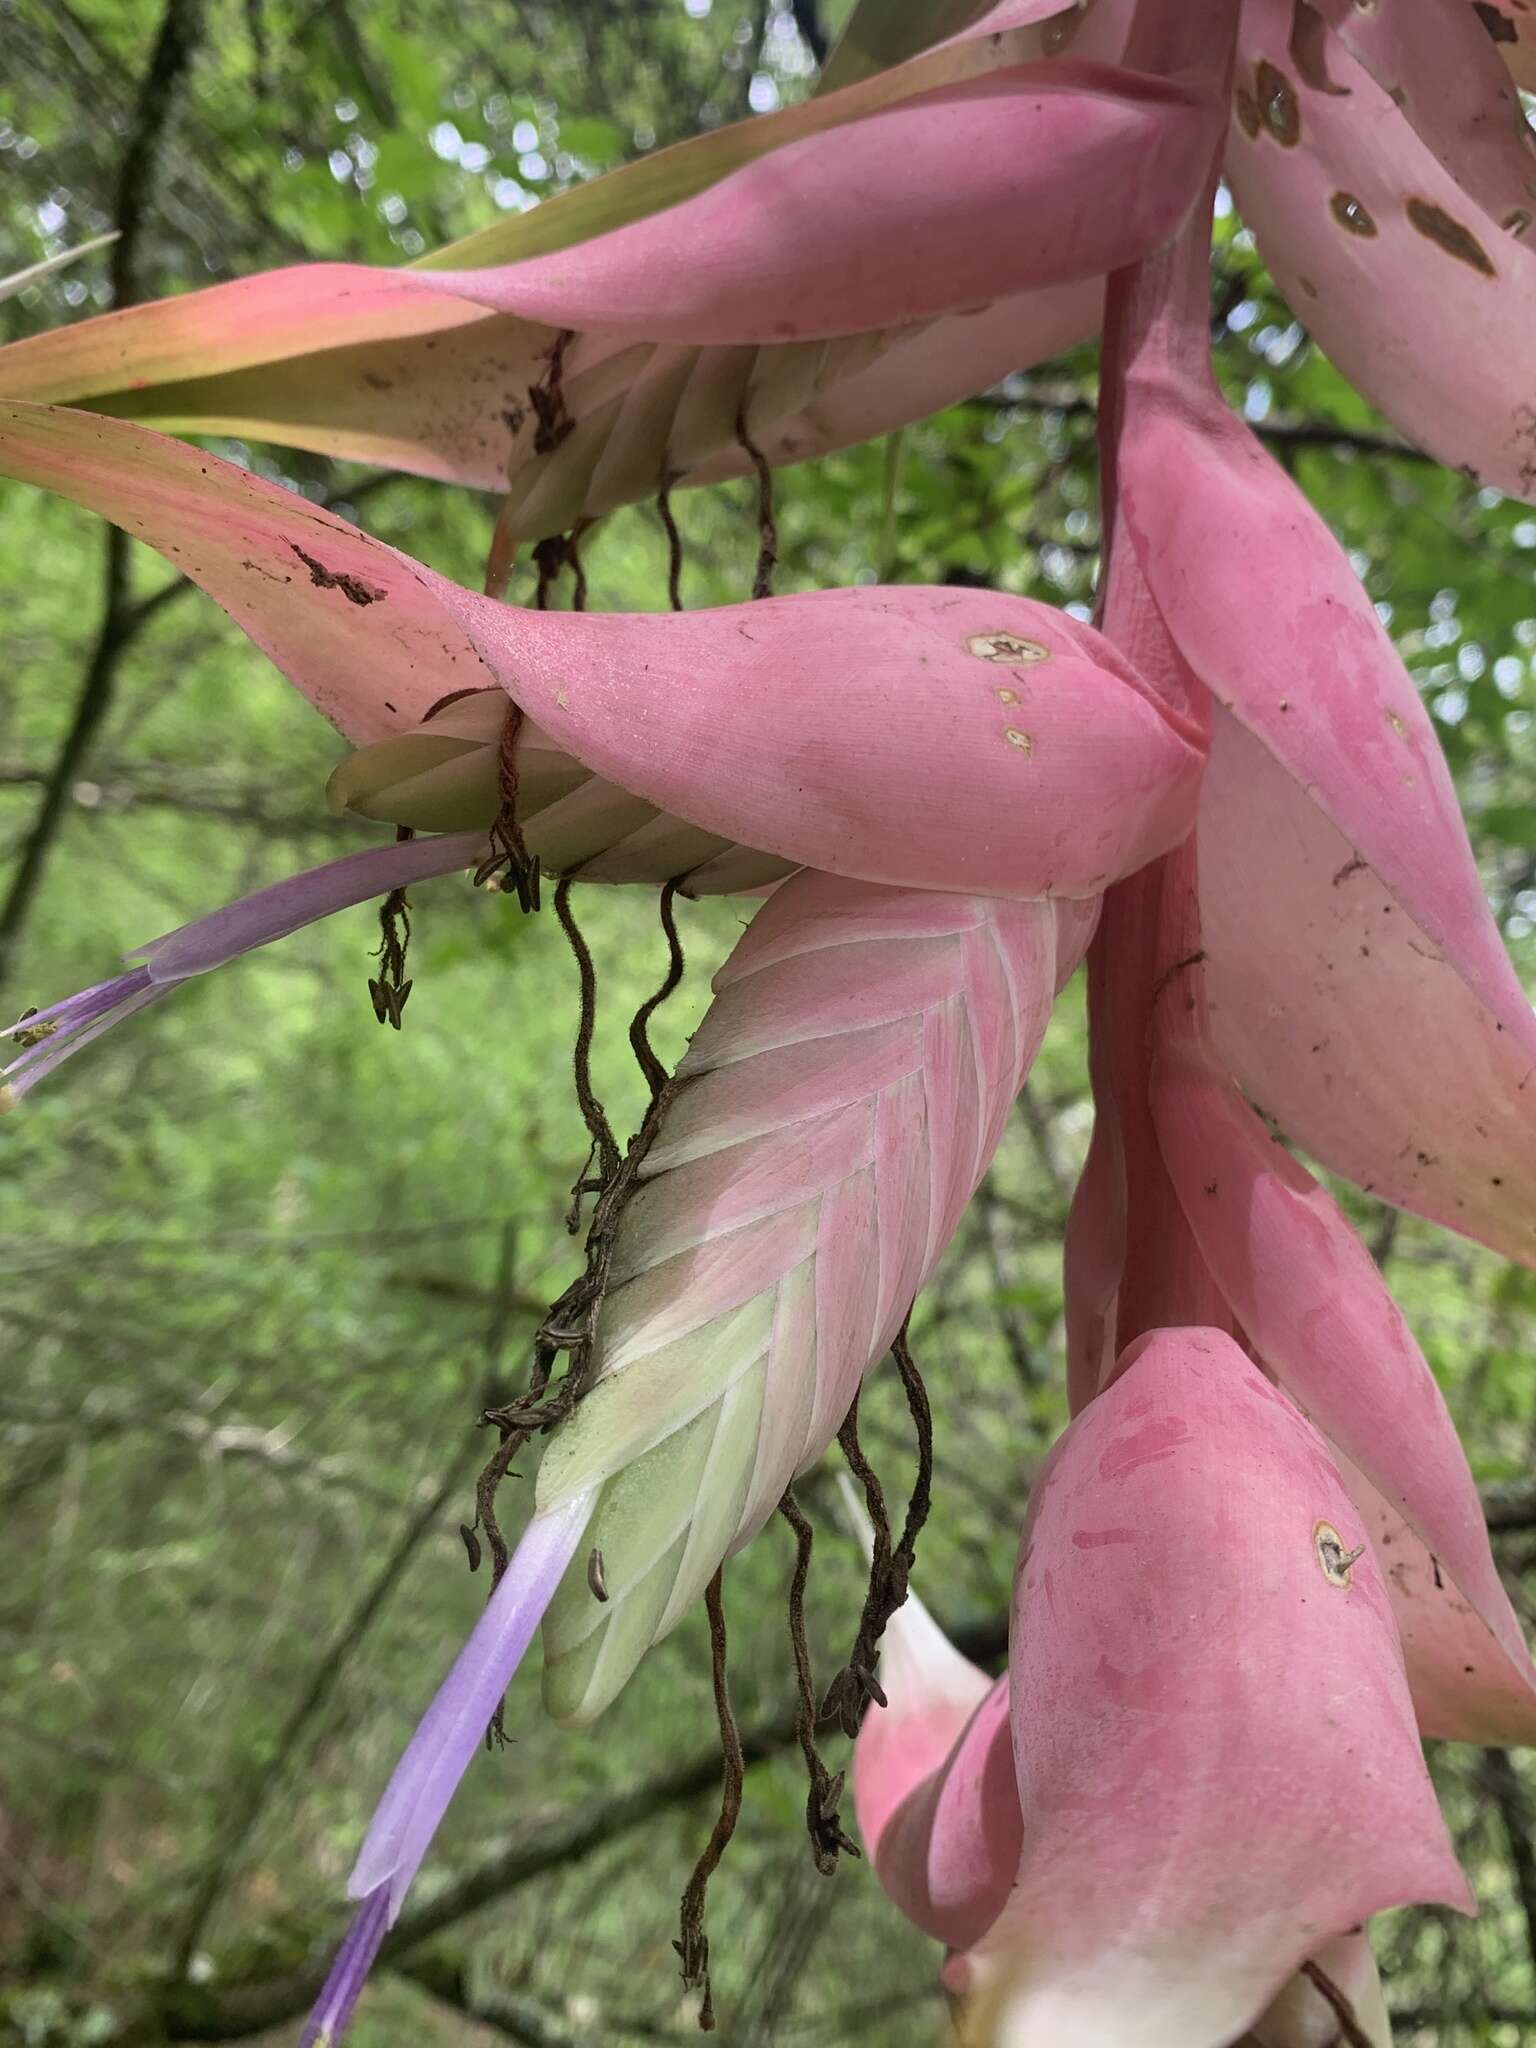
(451,1730)
(332,2010)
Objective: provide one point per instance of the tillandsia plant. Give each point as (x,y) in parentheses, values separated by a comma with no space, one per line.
(1168,1823)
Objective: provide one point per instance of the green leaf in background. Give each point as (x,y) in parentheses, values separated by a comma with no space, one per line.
(655,182)
(880,33)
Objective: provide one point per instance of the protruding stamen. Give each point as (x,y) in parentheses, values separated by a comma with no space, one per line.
(52,1035)
(692,1944)
(639,1035)
(767,530)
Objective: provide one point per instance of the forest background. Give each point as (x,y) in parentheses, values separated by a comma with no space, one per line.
(264,1262)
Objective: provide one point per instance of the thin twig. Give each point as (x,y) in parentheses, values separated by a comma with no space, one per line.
(248,1807)
(246,1810)
(121,624)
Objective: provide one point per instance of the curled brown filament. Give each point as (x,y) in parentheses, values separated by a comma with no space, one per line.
(767,529)
(822,1821)
(692,1944)
(639,1034)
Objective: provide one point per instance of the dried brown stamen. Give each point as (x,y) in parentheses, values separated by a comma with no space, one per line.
(567,1328)
(848,1696)
(389,987)
(692,1944)
(767,530)
(639,1035)
(827,1838)
(509,857)
(547,398)
(1351,2033)
(549,556)
(593,1114)
(674,543)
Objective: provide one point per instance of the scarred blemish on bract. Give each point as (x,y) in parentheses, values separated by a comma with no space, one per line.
(1449,234)
(353,588)
(1335,1561)
(1007,648)
(1349,213)
(1021,740)
(1278,104)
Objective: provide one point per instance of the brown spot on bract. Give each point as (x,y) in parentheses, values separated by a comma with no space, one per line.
(1021,740)
(1336,1562)
(1246,108)
(1449,234)
(352,588)
(1498,25)
(1007,648)
(1278,107)
(1349,213)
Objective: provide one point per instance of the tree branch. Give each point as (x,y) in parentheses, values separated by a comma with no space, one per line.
(1278,433)
(168,61)
(121,624)
(233,2011)
(248,1807)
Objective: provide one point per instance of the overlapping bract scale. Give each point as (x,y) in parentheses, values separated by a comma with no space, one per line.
(844,729)
(1359,885)
(1217,1761)
(1316,1310)
(837,1107)
(703,305)
(1408,251)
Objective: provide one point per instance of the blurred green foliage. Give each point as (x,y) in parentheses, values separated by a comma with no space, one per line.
(264,1260)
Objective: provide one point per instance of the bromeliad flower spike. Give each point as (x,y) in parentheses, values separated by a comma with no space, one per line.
(1236,809)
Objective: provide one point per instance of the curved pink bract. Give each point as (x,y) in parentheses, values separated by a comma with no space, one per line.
(1216,1752)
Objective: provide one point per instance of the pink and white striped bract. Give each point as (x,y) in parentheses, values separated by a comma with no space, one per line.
(838,1105)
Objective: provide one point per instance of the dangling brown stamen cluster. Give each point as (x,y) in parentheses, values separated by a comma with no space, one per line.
(692,1944)
(389,987)
(822,1823)
(849,1695)
(509,862)
(767,530)
(571,1321)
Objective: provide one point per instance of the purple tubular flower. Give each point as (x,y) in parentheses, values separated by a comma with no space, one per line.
(348,1974)
(451,1730)
(440,1752)
(50,1036)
